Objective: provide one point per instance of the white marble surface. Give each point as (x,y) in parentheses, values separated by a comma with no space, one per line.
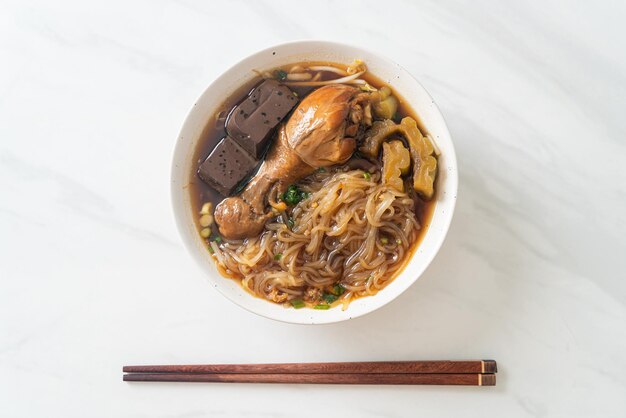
(94,275)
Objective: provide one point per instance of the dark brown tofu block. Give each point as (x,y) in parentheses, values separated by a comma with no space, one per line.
(253,119)
(226,166)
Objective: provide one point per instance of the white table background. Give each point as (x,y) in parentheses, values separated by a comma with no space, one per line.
(94,275)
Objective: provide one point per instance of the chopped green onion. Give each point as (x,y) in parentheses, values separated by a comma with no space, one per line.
(321,170)
(211,249)
(338,290)
(398,241)
(290,196)
(384,240)
(293,195)
(367,175)
(280,75)
(278,256)
(322,306)
(297,303)
(295,94)
(290,223)
(329,298)
(217,239)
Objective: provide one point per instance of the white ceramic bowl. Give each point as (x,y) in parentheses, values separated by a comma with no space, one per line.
(388,71)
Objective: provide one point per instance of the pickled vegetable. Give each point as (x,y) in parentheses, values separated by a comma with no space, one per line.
(385,92)
(386,108)
(420,147)
(424,163)
(396,162)
(385,105)
(376,135)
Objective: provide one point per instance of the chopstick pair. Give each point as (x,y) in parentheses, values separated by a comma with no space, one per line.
(432,372)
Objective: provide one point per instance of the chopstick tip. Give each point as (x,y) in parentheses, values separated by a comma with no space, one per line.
(487,380)
(489,366)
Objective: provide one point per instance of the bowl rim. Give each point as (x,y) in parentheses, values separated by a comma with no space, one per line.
(451,186)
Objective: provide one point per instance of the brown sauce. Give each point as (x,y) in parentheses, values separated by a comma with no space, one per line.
(214,131)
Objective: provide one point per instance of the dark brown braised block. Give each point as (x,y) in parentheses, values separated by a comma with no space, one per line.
(251,121)
(226,166)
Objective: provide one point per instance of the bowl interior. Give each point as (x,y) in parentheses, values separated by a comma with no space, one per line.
(388,71)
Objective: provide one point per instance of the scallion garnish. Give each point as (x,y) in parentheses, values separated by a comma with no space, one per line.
(367,175)
(322,306)
(278,256)
(280,75)
(329,298)
(338,290)
(293,195)
(297,303)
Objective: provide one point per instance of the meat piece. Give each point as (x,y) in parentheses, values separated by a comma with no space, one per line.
(278,296)
(314,136)
(312,294)
(317,129)
(244,216)
(253,119)
(226,166)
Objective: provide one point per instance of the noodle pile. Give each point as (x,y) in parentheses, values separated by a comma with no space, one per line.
(353,230)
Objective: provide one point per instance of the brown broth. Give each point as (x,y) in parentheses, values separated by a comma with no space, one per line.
(214,131)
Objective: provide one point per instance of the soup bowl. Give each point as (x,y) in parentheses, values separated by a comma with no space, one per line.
(241,73)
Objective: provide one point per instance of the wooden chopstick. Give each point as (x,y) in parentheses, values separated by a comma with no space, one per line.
(376,367)
(446,372)
(466,379)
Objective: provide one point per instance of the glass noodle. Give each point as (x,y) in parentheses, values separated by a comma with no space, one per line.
(343,233)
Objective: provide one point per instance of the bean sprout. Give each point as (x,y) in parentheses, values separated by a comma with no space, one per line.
(329,69)
(341,80)
(299,76)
